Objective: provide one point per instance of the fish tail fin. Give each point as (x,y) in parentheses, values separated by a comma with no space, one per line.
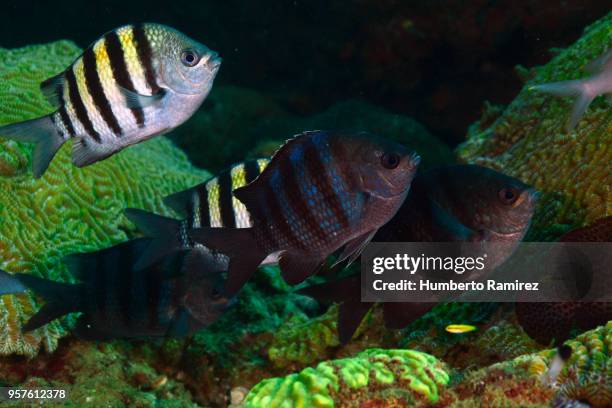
(41,131)
(10,284)
(165,234)
(240,246)
(61,298)
(576,88)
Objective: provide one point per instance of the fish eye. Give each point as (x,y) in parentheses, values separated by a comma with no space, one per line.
(189,58)
(390,160)
(508,195)
(216,294)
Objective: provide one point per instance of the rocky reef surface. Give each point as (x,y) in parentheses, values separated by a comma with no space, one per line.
(272,346)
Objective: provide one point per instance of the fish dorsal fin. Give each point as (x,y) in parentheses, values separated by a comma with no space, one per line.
(248,194)
(182,200)
(52,89)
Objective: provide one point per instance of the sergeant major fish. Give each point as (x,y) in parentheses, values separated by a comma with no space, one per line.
(322,190)
(209,204)
(135,82)
(175,297)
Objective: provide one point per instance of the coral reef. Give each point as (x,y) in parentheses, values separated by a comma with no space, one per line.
(70,209)
(109,375)
(528,141)
(236,120)
(304,341)
(520,382)
(406,376)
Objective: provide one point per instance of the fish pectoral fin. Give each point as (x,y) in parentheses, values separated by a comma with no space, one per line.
(296,266)
(350,315)
(136,100)
(84,153)
(52,89)
(353,249)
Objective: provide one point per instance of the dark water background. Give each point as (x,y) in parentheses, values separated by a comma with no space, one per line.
(436,61)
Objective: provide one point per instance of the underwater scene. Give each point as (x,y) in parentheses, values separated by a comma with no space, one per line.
(234,204)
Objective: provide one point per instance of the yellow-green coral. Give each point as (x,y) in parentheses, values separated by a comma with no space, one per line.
(302,340)
(400,374)
(528,141)
(69,209)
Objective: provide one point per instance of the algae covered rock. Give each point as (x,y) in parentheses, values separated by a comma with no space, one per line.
(406,376)
(528,141)
(69,209)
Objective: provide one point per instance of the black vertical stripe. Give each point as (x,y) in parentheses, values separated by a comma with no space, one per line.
(120,71)
(95,89)
(225,200)
(101,288)
(62,112)
(317,171)
(79,106)
(66,121)
(251,170)
(295,198)
(145,54)
(204,206)
(125,281)
(153,283)
(277,218)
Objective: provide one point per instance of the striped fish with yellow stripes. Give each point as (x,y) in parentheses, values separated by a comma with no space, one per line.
(210,204)
(135,82)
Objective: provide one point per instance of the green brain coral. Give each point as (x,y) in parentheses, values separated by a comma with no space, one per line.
(528,141)
(69,209)
(402,375)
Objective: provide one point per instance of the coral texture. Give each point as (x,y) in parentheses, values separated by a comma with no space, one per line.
(403,375)
(528,141)
(303,340)
(69,209)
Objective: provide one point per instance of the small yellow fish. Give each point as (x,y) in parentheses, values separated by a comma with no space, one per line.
(460,328)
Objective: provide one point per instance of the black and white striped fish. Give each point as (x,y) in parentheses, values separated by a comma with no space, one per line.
(175,297)
(210,204)
(135,82)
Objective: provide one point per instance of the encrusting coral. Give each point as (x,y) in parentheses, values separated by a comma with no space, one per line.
(406,376)
(529,141)
(69,209)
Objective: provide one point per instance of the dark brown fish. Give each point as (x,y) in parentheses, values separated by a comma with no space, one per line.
(321,191)
(459,203)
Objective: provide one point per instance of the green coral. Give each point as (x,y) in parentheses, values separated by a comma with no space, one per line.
(528,141)
(69,209)
(303,340)
(402,374)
